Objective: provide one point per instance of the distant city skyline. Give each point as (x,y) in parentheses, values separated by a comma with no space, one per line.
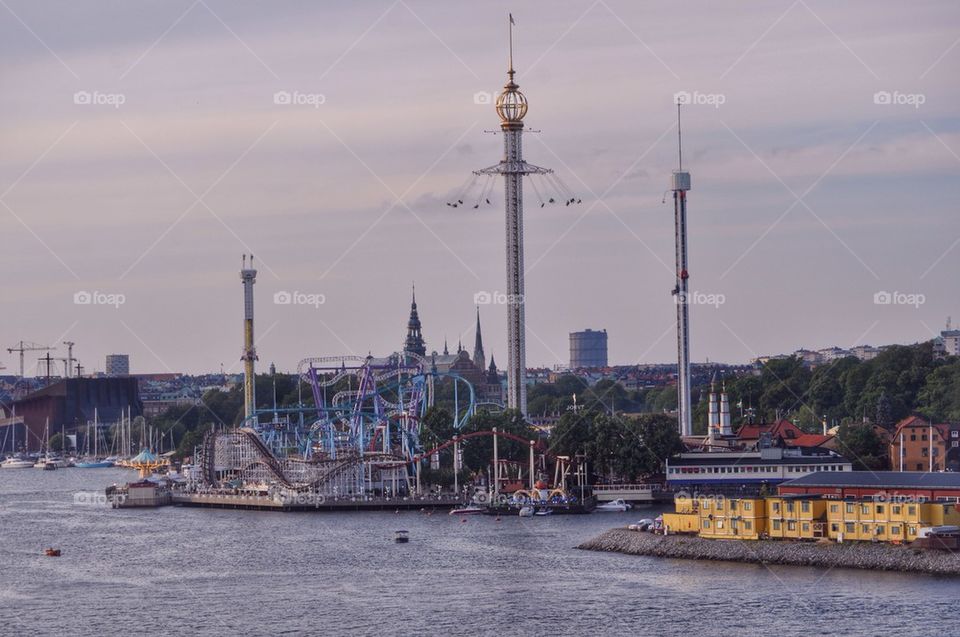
(145,148)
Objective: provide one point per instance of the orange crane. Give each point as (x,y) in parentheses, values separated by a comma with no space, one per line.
(26,346)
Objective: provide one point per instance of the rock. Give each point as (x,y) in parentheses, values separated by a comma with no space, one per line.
(860,555)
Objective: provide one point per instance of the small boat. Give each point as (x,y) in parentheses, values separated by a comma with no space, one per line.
(543,512)
(467,510)
(16,463)
(401,537)
(50,552)
(616,506)
(93,464)
(526,512)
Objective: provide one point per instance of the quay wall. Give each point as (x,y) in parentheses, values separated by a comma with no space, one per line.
(859,555)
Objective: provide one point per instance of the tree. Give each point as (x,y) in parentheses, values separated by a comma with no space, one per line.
(651,439)
(862,446)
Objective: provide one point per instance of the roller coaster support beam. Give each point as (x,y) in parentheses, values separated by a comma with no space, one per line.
(419,462)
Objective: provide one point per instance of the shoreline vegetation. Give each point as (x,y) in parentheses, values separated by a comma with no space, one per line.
(861,555)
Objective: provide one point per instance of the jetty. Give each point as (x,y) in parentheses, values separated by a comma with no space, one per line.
(860,555)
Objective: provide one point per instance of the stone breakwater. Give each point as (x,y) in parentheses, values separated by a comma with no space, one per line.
(862,555)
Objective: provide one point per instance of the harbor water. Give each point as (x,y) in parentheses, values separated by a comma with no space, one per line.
(194,571)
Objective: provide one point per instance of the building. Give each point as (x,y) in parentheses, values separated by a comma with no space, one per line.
(588,349)
(737,469)
(879,485)
(117,365)
(71,403)
(414,342)
(947,344)
(918,445)
(808,517)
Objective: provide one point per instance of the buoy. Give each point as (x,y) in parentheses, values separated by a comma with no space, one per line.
(463,520)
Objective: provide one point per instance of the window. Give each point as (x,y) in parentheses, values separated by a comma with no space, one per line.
(911,530)
(747,524)
(850,527)
(912,510)
(805,506)
(834,508)
(923,437)
(776,507)
(747,506)
(733,505)
(706,524)
(895,529)
(919,466)
(913,437)
(879,509)
(881,530)
(791,526)
(865,529)
(834,527)
(806,527)
(776,525)
(924,452)
(864,509)
(896,509)
(849,507)
(789,507)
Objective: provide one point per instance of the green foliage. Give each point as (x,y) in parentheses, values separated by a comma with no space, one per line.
(861,444)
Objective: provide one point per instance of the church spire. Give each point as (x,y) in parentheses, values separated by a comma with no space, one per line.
(446,351)
(479,360)
(414,342)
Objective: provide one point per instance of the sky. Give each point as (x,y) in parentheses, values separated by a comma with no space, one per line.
(144,148)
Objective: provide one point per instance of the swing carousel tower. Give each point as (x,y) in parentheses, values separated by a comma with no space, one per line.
(511,108)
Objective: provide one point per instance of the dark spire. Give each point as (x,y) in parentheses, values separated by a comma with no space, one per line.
(478,357)
(414,342)
(493,377)
(446,351)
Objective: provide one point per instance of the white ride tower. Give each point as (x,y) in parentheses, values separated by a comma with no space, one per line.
(512,107)
(680,184)
(248,275)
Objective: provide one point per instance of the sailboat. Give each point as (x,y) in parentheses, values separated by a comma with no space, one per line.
(93,462)
(47,462)
(15,461)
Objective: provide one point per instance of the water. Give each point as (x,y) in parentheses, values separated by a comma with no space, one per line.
(203,571)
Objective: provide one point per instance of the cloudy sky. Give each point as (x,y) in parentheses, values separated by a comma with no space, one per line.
(143,152)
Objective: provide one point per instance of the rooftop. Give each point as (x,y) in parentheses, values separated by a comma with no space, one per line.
(878,479)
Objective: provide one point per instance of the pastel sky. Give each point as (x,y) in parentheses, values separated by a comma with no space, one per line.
(810,194)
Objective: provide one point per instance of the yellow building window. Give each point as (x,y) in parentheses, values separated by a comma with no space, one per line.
(834,508)
(805,506)
(806,527)
(864,509)
(789,507)
(896,509)
(912,510)
(747,524)
(776,525)
(706,524)
(776,507)
(850,527)
(865,529)
(895,529)
(881,530)
(911,530)
(746,506)
(879,509)
(849,507)
(791,526)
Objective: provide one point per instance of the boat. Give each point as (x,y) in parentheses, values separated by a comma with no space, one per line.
(93,464)
(51,552)
(543,512)
(401,537)
(468,510)
(526,512)
(16,463)
(616,506)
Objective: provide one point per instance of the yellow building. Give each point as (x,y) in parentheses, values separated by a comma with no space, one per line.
(732,518)
(797,518)
(807,518)
(867,520)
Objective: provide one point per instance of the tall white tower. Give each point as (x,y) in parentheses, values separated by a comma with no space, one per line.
(680,184)
(248,275)
(511,108)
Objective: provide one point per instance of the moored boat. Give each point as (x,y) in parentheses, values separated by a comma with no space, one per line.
(16,463)
(616,506)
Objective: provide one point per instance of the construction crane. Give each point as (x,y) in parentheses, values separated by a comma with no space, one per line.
(68,361)
(26,346)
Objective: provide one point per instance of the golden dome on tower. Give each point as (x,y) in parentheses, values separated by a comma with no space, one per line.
(511,103)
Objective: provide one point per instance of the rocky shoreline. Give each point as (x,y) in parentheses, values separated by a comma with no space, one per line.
(862,555)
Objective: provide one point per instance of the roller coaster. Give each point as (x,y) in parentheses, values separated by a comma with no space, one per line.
(361,438)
